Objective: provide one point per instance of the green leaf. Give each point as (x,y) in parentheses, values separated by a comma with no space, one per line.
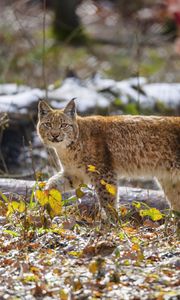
(3,197)
(32,203)
(29,278)
(118,102)
(135,240)
(79,193)
(69,200)
(11,232)
(121,235)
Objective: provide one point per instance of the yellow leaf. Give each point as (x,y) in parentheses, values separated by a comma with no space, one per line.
(15,206)
(75,253)
(153,213)
(55,201)
(42,197)
(103,182)
(10,210)
(91,168)
(63,295)
(135,247)
(93,267)
(136,204)
(111,189)
(42,184)
(53,198)
(22,207)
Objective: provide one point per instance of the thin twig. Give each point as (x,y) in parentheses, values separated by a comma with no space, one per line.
(44,49)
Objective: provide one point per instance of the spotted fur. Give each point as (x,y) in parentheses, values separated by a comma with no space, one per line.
(118,146)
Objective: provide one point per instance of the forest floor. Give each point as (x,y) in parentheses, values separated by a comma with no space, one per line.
(71,256)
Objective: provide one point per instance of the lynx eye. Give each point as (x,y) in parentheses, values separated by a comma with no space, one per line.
(64,125)
(47,125)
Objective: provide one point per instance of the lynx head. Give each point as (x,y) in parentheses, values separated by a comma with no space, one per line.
(57,126)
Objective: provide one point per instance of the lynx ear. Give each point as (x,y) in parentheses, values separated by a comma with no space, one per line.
(43,108)
(70,109)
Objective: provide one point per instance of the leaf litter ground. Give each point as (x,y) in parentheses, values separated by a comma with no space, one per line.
(68,257)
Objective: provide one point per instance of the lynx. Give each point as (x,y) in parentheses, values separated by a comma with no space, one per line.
(116,146)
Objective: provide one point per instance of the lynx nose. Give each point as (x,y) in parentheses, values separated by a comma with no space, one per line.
(54,134)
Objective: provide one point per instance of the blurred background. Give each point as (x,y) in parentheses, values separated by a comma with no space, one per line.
(114,56)
(117,38)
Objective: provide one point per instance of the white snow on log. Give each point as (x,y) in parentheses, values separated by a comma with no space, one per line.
(20,102)
(73,88)
(12,88)
(99,84)
(91,93)
(167,93)
(138,90)
(128,93)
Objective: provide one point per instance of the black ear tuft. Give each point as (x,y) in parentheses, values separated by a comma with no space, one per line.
(70,109)
(43,108)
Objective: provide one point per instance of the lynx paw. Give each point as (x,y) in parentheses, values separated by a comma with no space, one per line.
(54,183)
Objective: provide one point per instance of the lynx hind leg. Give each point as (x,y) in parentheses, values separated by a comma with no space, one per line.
(172,191)
(107,192)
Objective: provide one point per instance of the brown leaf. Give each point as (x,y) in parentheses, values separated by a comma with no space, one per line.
(151,224)
(101,248)
(89,250)
(69,224)
(105,248)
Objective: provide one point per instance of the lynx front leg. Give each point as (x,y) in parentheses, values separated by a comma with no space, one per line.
(172,191)
(63,182)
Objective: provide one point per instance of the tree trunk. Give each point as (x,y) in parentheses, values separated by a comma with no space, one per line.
(66,22)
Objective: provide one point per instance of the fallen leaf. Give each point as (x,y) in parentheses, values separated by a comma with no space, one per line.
(123,211)
(79,192)
(63,294)
(93,267)
(153,213)
(135,247)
